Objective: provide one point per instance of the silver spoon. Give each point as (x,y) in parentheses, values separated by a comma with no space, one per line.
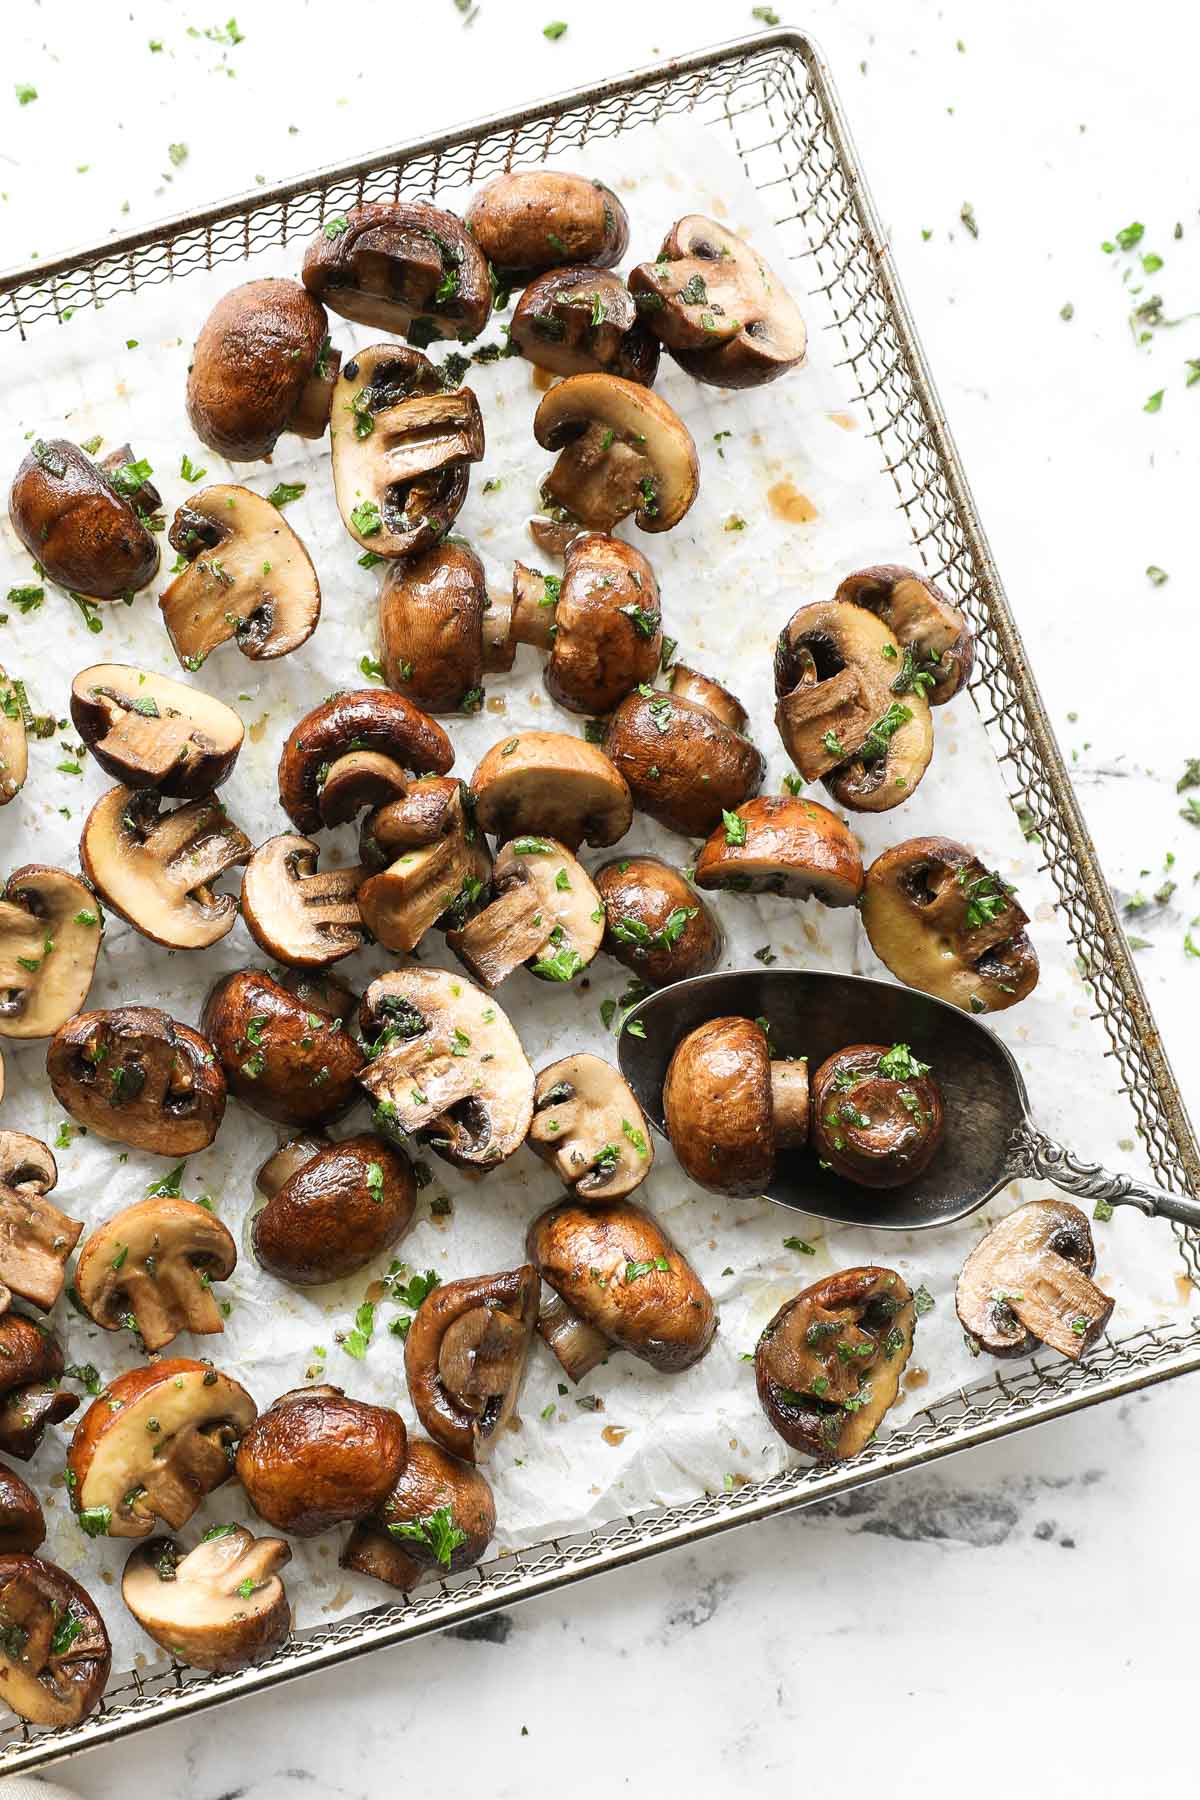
(990,1138)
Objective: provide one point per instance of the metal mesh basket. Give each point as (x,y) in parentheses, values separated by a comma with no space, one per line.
(774,98)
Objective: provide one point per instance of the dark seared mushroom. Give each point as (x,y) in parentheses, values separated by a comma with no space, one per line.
(581,321)
(331,1208)
(148,731)
(589,1128)
(729,1106)
(86,523)
(622,1285)
(544,781)
(876,1114)
(156,1261)
(545,914)
(783,844)
(1028,1283)
(527,220)
(14,747)
(944,923)
(35,1237)
(296,914)
(622,450)
(351,751)
(655,923)
(139,1077)
(936,644)
(284,1046)
(220,1606)
(439,632)
(50,931)
(601,622)
(684,752)
(261,366)
(723,315)
(439,1518)
(465,1357)
(31,1364)
(430,860)
(22,1522)
(404,266)
(316,1459)
(55,1656)
(828,1365)
(157,868)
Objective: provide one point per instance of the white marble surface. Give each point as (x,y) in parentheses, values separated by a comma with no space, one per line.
(1030,1601)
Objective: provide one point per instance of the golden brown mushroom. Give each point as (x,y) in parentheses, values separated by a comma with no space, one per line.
(579,321)
(155,1261)
(655,923)
(439,1518)
(55,1656)
(546,782)
(685,753)
(527,220)
(50,931)
(936,644)
(35,1237)
(622,450)
(589,1128)
(31,1363)
(284,1046)
(876,1114)
(783,844)
(156,868)
(1028,1282)
(351,751)
(220,1606)
(439,633)
(404,266)
(139,1077)
(262,365)
(86,523)
(729,1106)
(430,861)
(298,915)
(331,1208)
(465,1357)
(316,1459)
(148,731)
(22,1522)
(545,914)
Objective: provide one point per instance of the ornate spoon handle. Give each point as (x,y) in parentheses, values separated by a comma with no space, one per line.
(1034,1155)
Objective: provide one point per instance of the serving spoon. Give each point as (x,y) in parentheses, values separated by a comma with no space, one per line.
(990,1138)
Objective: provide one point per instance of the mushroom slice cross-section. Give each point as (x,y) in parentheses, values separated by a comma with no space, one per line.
(465,1357)
(55,1656)
(440,1517)
(35,1237)
(31,1363)
(783,844)
(262,365)
(299,916)
(547,782)
(622,450)
(149,731)
(140,1077)
(528,220)
(1028,1282)
(730,1105)
(156,868)
(589,1128)
(936,644)
(14,747)
(580,321)
(220,1606)
(546,914)
(684,752)
(50,931)
(655,923)
(156,1260)
(404,266)
(317,1458)
(86,523)
(435,865)
(352,751)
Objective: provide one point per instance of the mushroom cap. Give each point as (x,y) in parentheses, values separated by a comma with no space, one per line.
(717,1105)
(156,1259)
(431,609)
(589,1129)
(316,1459)
(401,1544)
(947,925)
(31,1362)
(14,748)
(139,1077)
(86,535)
(580,321)
(465,1355)
(1027,1282)
(635,422)
(43,1685)
(248,577)
(871,1127)
(655,923)
(344,1205)
(149,731)
(433,864)
(50,931)
(546,782)
(155,867)
(526,220)
(685,764)
(305,919)
(787,845)
(608,625)
(404,266)
(546,914)
(221,1606)
(22,1522)
(284,1047)
(925,621)
(345,724)
(257,350)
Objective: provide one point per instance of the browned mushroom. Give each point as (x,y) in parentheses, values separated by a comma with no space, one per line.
(139,1077)
(156,868)
(527,220)
(589,1128)
(35,1237)
(86,523)
(331,1208)
(828,1365)
(465,1357)
(439,1518)
(729,1105)
(655,923)
(14,748)
(316,1458)
(305,919)
(684,752)
(50,931)
(22,1522)
(546,914)
(622,450)
(937,647)
(284,1046)
(876,1114)
(431,861)
(439,632)
(261,366)
(544,781)
(1028,1283)
(579,321)
(31,1363)
(55,1656)
(148,731)
(221,1606)
(783,844)
(404,266)
(155,1261)
(351,751)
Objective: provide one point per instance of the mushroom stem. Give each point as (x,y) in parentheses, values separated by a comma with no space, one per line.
(498,634)
(578,1346)
(789,1103)
(311,415)
(531,620)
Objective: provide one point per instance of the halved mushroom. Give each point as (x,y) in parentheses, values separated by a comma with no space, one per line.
(55,1656)
(828,1365)
(248,577)
(86,523)
(156,1260)
(439,632)
(465,1357)
(655,923)
(730,1105)
(156,868)
(316,1459)
(351,751)
(937,646)
(1027,1283)
(154,1444)
(580,321)
(139,1077)
(622,450)
(296,915)
(545,781)
(31,1363)
(431,860)
(546,914)
(22,1522)
(621,1284)
(721,312)
(836,712)
(527,220)
(944,923)
(284,1046)
(876,1114)
(684,752)
(589,1128)
(403,265)
(783,844)
(35,1237)
(14,749)
(50,931)
(261,366)
(221,1606)
(331,1208)
(445,1065)
(148,731)
(439,1518)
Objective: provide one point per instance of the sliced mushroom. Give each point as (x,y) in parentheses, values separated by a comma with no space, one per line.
(526,220)
(148,731)
(86,523)
(622,450)
(721,312)
(284,1046)
(655,923)
(783,844)
(332,1208)
(876,1114)
(55,1656)
(439,633)
(139,1077)
(828,1365)
(404,266)
(684,752)
(439,1518)
(351,751)
(14,749)
(445,1065)
(1027,1283)
(944,923)
(156,868)
(465,1357)
(581,321)
(936,643)
(22,1522)
(544,781)
(432,864)
(261,366)
(305,919)
(589,1128)
(317,1458)
(730,1105)
(546,914)
(156,1260)
(35,1237)
(31,1363)
(221,1606)
(248,577)
(50,931)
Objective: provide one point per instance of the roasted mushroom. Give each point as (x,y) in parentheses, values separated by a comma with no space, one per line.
(31,1363)
(261,366)
(589,1128)
(684,752)
(86,523)
(439,1518)
(655,923)
(465,1356)
(544,781)
(331,1207)
(621,1285)
(944,923)
(580,321)
(439,632)
(155,1261)
(783,844)
(351,751)
(156,868)
(316,1459)
(14,748)
(148,731)
(248,577)
(305,919)
(55,1656)
(1027,1283)
(876,1114)
(404,266)
(828,1365)
(527,220)
(35,1237)
(937,647)
(546,914)
(284,1046)
(723,315)
(50,931)
(431,863)
(730,1105)
(220,1606)
(22,1522)
(622,450)
(139,1077)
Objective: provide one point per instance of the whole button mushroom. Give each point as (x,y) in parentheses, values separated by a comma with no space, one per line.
(22,1522)
(589,1128)
(331,1208)
(829,1363)
(730,1106)
(297,914)
(148,731)
(546,914)
(783,844)
(156,1260)
(352,751)
(937,647)
(156,868)
(601,622)
(578,321)
(527,220)
(546,782)
(31,1363)
(430,861)
(439,632)
(14,747)
(944,923)
(317,1458)
(35,1237)
(465,1355)
(876,1114)
(284,1047)
(439,1518)
(86,523)
(622,450)
(50,932)
(139,1077)
(404,266)
(55,1656)
(262,365)
(1028,1283)
(220,1606)
(685,753)
(655,923)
